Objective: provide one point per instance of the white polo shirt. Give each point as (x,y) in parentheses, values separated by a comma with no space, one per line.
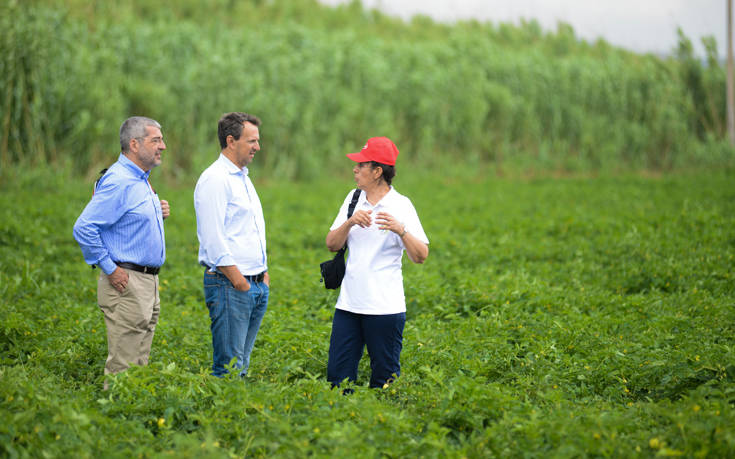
(373,282)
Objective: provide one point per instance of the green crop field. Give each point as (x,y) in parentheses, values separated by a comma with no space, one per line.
(553,318)
(579,295)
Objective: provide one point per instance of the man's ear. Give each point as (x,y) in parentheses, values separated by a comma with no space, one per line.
(133,145)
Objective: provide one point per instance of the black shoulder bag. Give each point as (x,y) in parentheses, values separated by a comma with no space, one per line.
(334,270)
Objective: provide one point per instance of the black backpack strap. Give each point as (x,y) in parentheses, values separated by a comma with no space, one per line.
(97,182)
(353,203)
(350,210)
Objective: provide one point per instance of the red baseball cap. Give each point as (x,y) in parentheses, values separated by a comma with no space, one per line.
(378,149)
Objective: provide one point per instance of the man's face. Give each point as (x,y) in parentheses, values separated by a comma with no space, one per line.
(245,148)
(146,151)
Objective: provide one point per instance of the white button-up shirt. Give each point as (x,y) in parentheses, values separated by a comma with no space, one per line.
(230,222)
(373,282)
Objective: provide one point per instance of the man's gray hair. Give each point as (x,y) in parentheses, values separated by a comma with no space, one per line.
(134,128)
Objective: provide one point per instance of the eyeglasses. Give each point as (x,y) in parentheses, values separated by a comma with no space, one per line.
(153,140)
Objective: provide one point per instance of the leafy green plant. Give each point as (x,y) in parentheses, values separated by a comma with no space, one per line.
(565,317)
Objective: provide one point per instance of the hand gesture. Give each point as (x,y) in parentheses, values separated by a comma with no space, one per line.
(361,218)
(165,209)
(388,222)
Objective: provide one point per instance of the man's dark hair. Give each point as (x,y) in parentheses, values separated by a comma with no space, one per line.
(388,171)
(231,124)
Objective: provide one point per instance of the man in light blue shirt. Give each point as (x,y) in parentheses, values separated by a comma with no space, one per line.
(121,231)
(231,232)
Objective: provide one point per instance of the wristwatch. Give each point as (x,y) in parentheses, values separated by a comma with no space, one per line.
(404,232)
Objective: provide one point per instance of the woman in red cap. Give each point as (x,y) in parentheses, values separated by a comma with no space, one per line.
(371,308)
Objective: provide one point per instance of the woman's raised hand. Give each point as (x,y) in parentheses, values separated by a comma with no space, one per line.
(388,222)
(362,218)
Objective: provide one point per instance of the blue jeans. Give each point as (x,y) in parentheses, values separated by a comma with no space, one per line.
(351,333)
(236,318)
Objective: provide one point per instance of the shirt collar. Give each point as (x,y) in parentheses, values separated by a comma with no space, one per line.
(386,200)
(232,167)
(133,168)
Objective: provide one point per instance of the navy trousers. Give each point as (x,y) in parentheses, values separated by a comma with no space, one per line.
(383,336)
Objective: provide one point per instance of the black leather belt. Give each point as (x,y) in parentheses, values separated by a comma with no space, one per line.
(138,268)
(256,277)
(253,278)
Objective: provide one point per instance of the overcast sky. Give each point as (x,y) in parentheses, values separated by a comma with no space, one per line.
(639,25)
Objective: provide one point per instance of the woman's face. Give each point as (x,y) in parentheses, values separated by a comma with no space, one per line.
(365,175)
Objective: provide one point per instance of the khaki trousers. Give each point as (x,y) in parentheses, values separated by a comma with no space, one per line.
(130,319)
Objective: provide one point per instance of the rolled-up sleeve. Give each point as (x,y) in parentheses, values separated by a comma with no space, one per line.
(103,210)
(342,214)
(210,205)
(413,224)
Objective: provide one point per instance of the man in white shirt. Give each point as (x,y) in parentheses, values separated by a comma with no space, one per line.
(231,232)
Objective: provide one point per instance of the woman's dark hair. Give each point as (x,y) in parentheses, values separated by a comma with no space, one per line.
(231,124)
(388,171)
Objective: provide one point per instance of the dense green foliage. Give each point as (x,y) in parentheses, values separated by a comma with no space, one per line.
(553,318)
(563,317)
(324,80)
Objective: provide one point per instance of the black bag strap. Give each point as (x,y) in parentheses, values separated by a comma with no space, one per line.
(353,203)
(350,210)
(99,177)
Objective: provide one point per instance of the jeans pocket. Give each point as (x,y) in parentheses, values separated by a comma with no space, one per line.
(266,294)
(211,299)
(240,299)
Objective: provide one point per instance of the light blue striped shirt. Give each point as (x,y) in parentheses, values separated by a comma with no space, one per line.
(123,221)
(230,222)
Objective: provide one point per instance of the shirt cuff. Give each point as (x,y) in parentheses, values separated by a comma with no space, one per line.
(225,260)
(107,265)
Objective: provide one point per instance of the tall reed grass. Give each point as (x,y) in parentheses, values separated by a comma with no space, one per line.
(324,80)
